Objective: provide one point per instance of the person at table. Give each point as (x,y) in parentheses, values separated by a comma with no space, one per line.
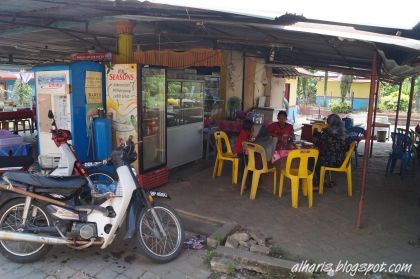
(246,134)
(332,146)
(281,127)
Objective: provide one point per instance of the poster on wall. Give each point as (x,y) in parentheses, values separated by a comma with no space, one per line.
(52,89)
(53,86)
(52,82)
(93,89)
(121,96)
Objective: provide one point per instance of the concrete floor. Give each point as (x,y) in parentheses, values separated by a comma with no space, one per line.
(326,232)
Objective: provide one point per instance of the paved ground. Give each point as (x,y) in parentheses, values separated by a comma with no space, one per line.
(121,261)
(327,231)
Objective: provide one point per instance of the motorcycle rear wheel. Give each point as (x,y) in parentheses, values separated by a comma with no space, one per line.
(10,218)
(153,243)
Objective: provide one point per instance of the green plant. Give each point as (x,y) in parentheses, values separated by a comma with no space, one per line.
(390,102)
(381,107)
(217,238)
(210,255)
(340,107)
(231,268)
(22,93)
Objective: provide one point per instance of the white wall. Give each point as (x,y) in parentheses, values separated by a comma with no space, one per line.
(235,64)
(260,77)
(277,92)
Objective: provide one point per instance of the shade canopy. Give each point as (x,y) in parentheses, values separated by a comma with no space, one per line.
(41,31)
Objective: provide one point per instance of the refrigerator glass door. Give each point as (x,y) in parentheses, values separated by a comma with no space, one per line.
(153,124)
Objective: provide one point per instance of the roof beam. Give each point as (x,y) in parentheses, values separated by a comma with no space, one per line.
(39,27)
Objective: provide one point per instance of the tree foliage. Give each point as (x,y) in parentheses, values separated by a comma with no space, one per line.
(22,93)
(389,95)
(345,85)
(306,90)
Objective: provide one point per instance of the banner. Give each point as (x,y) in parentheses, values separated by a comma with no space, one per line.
(96,56)
(121,96)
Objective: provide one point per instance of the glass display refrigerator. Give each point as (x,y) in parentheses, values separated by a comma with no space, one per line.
(213,105)
(184,121)
(152,118)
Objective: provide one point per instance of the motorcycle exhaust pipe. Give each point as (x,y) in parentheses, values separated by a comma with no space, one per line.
(27,237)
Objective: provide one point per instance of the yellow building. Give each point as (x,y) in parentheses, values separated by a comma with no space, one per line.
(358,97)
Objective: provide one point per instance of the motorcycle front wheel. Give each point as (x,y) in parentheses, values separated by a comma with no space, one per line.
(152,240)
(11,220)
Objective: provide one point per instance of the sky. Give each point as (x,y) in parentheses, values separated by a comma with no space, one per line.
(385,13)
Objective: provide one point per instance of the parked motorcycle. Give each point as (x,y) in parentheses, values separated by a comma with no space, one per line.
(38,216)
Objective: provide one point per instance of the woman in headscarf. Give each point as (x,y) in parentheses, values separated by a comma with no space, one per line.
(332,145)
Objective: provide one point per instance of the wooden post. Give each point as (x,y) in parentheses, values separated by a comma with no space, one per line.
(373,78)
(410,105)
(374,117)
(398,107)
(325,88)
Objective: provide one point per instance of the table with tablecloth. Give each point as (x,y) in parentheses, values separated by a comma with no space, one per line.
(16,150)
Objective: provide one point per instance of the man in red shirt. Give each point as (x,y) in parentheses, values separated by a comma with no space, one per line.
(280,128)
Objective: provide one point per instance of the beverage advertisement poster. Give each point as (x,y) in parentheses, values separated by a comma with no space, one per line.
(52,82)
(121,96)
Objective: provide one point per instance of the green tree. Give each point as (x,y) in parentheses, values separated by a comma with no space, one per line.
(22,93)
(345,85)
(389,95)
(306,90)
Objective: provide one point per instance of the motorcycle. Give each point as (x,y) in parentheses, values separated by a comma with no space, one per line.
(67,166)
(38,216)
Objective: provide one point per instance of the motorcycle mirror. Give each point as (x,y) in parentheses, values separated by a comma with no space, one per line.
(50,114)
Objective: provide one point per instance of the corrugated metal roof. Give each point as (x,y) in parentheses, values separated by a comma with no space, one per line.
(43,31)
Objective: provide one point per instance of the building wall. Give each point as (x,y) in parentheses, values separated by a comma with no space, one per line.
(234,74)
(234,78)
(293,110)
(234,82)
(277,92)
(360,89)
(259,80)
(293,90)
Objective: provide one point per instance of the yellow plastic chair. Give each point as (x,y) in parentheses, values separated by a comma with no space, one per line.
(302,172)
(252,149)
(222,139)
(319,127)
(345,167)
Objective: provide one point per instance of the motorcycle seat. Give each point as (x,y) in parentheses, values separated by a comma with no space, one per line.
(50,182)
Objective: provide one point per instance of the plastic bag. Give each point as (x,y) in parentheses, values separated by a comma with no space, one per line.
(101,188)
